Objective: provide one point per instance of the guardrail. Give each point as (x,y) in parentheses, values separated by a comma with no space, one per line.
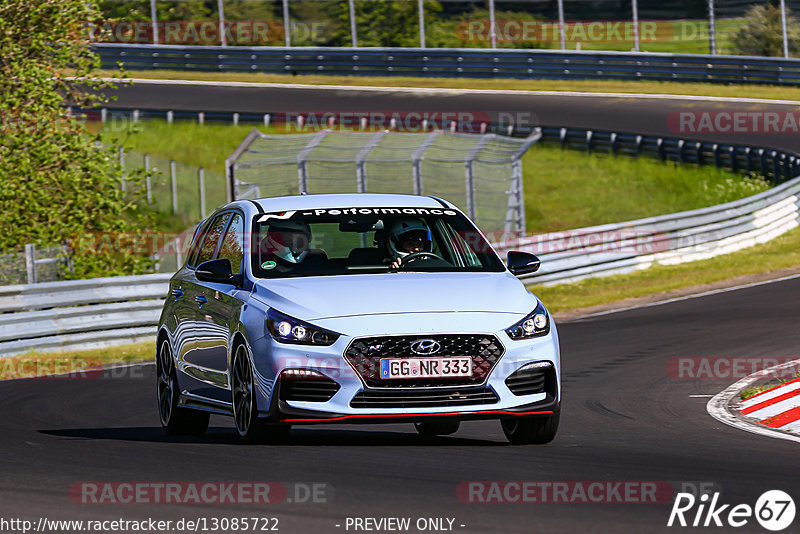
(668,239)
(80,314)
(456,62)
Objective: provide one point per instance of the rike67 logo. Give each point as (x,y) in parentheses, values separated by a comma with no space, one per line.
(774,510)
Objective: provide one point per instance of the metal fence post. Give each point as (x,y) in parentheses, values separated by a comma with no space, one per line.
(635,7)
(712,30)
(421,23)
(30,262)
(287,25)
(147,182)
(121,152)
(221,9)
(201,184)
(783,28)
(353,35)
(562,32)
(416,160)
(154,20)
(492,28)
(472,155)
(236,119)
(178,253)
(361,173)
(174,181)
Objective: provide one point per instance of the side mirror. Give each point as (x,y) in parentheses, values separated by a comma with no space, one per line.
(217,271)
(522,263)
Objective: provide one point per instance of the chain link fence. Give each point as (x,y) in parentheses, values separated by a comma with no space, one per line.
(671,26)
(480,173)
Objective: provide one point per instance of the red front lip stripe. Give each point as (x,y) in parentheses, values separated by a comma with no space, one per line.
(503,412)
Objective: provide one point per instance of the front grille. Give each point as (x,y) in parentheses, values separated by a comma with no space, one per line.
(312,390)
(530,381)
(365,354)
(423,398)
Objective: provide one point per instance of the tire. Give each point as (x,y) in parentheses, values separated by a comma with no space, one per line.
(175,420)
(437,428)
(530,430)
(245,412)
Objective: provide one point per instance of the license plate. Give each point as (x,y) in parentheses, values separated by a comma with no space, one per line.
(426,367)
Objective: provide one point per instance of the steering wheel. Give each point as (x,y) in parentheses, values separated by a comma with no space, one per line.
(414,256)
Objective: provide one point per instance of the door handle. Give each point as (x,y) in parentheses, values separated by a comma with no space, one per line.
(200,300)
(177,292)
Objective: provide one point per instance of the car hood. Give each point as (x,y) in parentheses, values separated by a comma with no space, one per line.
(325,297)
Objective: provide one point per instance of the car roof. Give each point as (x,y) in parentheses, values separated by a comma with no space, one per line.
(350,200)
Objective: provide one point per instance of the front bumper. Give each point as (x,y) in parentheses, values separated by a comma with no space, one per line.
(499,401)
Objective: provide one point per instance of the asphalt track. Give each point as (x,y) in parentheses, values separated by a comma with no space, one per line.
(652,116)
(625,416)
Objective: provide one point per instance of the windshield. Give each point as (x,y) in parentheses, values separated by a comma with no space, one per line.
(367,240)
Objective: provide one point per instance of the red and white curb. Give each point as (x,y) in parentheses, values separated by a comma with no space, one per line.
(774,413)
(778,407)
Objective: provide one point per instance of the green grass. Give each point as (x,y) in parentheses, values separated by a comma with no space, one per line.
(603,86)
(72,361)
(563,189)
(780,253)
(749,392)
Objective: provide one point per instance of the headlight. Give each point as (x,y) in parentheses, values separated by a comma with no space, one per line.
(535,324)
(290,330)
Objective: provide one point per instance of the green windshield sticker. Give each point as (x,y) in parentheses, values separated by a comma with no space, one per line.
(269,265)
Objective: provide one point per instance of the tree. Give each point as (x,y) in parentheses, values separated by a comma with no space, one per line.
(56,185)
(762,33)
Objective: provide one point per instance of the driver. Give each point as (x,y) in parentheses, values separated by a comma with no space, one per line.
(408,237)
(285,245)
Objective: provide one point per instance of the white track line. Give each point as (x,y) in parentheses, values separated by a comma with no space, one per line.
(441,90)
(717,407)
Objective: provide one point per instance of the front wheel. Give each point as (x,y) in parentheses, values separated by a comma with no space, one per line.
(530,430)
(245,409)
(174,419)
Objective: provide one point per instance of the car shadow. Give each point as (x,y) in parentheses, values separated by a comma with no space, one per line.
(316,437)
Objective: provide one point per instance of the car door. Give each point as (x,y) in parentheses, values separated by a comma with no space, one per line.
(195,363)
(182,307)
(220,306)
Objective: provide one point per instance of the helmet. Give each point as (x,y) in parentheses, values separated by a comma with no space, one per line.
(404,232)
(288,240)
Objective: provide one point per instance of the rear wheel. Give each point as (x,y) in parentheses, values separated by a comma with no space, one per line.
(530,430)
(437,428)
(245,409)
(174,419)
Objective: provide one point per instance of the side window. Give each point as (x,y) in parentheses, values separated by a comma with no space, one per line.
(195,245)
(209,245)
(233,243)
